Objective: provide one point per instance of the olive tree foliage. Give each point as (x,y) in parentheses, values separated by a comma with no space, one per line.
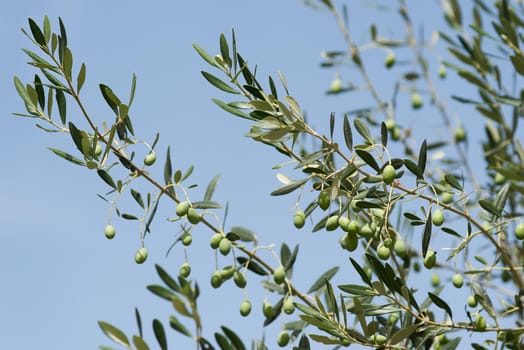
(398,210)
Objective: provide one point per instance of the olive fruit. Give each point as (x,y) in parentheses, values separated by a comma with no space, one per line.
(480,322)
(98,150)
(186,239)
(442,72)
(227,272)
(288,305)
(299,219)
(224,247)
(447,197)
(109,231)
(378,339)
(343,222)
(349,241)
(150,159)
(393,318)
(499,179)
(383,252)
(283,339)
(395,133)
(336,85)
(279,275)
(268,310)
(353,226)
(388,242)
(215,240)
(390,124)
(216,279)
(390,60)
(388,174)
(245,308)
(460,134)
(240,279)
(457,280)
(185,270)
(182,208)
(400,247)
(332,223)
(435,279)
(519,230)
(472,301)
(323,200)
(437,217)
(193,216)
(430,259)
(366,231)
(416,100)
(141,255)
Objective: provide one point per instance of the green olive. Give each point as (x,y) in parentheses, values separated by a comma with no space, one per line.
(343,222)
(499,179)
(442,72)
(268,310)
(109,231)
(349,241)
(519,231)
(460,134)
(240,279)
(216,279)
(150,159)
(323,200)
(227,272)
(457,280)
(480,322)
(435,279)
(390,124)
(283,339)
(383,252)
(336,86)
(224,247)
(353,227)
(182,208)
(437,217)
(185,270)
(430,259)
(299,219)
(98,150)
(288,306)
(447,197)
(416,100)
(187,239)
(472,301)
(390,60)
(215,240)
(279,275)
(141,255)
(388,174)
(400,247)
(245,308)
(193,216)
(332,223)
(378,339)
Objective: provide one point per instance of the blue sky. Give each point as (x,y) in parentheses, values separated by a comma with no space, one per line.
(60,275)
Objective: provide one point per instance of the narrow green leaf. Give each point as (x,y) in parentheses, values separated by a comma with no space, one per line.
(47,29)
(140,343)
(167,279)
(111,99)
(37,33)
(427,234)
(490,207)
(231,109)
(205,55)
(39,91)
(206,205)
(20,88)
(67,63)
(81,78)
(290,261)
(178,326)
(422,157)
(361,272)
(235,340)
(106,177)
(244,234)
(289,187)
(211,188)
(61,103)
(138,321)
(355,289)
(303,344)
(452,181)
(222,342)
(224,50)
(252,266)
(114,333)
(348,135)
(368,158)
(219,84)
(168,169)
(403,333)
(440,303)
(67,156)
(363,130)
(320,282)
(138,197)
(161,292)
(384,134)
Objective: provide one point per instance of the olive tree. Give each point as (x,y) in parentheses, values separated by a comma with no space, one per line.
(402,203)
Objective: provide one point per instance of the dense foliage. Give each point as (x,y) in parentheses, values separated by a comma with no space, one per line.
(398,206)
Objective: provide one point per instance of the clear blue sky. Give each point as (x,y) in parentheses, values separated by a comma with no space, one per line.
(59,273)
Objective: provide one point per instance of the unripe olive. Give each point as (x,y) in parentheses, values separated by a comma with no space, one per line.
(216,279)
(141,255)
(506,275)
(378,339)
(283,339)
(193,216)
(353,226)
(390,60)
(499,179)
(447,197)
(225,246)
(182,208)
(187,239)
(435,279)
(519,231)
(457,280)
(442,72)
(268,310)
(480,322)
(288,306)
(400,247)
(323,200)
(343,222)
(393,318)
(395,133)
(150,159)
(299,219)
(416,266)
(336,85)
(437,217)
(460,134)
(349,241)
(388,174)
(109,231)
(366,231)
(430,259)
(98,150)
(332,223)
(390,124)
(416,100)
(215,240)
(185,270)
(240,279)
(388,242)
(383,252)
(245,308)
(227,272)
(279,275)
(472,301)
